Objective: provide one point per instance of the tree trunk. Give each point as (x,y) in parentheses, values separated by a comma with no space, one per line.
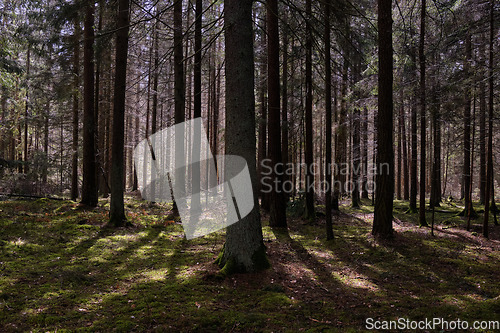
(467,127)
(489,169)
(406,176)
(89,188)
(262,149)
(76,86)
(414,152)
(179,87)
(244,250)
(384,192)
(482,120)
(99,158)
(435,198)
(117,213)
(423,123)
(26,111)
(277,216)
(399,158)
(328,123)
(364,130)
(308,117)
(196,171)
(284,108)
(154,106)
(179,98)
(4,136)
(45,171)
(356,154)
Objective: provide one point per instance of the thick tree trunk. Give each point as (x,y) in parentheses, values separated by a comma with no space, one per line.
(244,249)
(89,188)
(117,213)
(384,192)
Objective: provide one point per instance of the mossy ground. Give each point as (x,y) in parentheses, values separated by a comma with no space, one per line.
(61,271)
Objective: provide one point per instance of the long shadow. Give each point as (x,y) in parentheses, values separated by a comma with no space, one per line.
(407,269)
(349,295)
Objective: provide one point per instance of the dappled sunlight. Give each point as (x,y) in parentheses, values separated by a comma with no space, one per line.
(355,280)
(152,275)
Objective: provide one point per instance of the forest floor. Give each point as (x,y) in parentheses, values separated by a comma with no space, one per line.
(61,271)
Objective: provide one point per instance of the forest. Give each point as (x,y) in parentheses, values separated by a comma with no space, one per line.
(249,166)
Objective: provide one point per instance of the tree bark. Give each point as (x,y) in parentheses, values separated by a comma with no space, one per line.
(277,217)
(423,122)
(414,152)
(399,158)
(179,97)
(117,212)
(76,87)
(356,154)
(328,123)
(196,171)
(284,107)
(435,198)
(384,192)
(26,111)
(244,250)
(406,176)
(262,149)
(308,118)
(364,157)
(489,169)
(467,127)
(482,120)
(89,188)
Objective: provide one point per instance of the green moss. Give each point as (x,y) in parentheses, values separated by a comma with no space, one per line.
(218,261)
(230,266)
(260,260)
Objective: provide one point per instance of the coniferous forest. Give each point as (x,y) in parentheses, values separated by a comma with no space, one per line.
(249,166)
